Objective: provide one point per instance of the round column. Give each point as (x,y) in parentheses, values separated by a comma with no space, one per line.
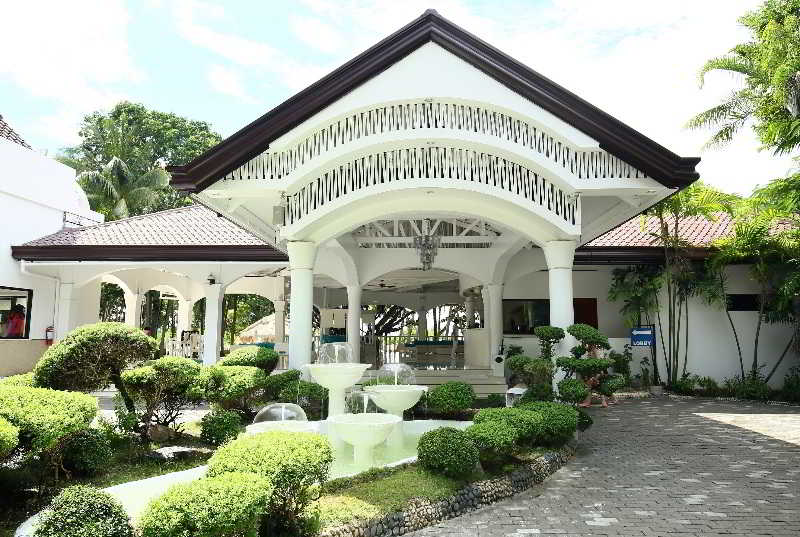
(301,263)
(354,320)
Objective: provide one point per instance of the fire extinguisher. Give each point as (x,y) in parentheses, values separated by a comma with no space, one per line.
(49,334)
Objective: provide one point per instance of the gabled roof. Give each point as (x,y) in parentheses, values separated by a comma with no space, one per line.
(192,233)
(10,134)
(614,136)
(697,231)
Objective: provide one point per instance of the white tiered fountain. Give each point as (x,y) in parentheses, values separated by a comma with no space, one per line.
(396,393)
(335,371)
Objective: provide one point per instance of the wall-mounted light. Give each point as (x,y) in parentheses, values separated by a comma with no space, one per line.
(211,279)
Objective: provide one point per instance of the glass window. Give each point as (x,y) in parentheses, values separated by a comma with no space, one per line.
(743,302)
(15,312)
(522,316)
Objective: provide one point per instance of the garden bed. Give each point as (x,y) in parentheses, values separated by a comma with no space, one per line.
(397,501)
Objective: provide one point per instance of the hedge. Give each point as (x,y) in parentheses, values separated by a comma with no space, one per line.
(276,383)
(527,424)
(87,453)
(25,379)
(82,511)
(309,395)
(252,356)
(9,438)
(293,462)
(496,440)
(559,422)
(447,451)
(227,506)
(451,397)
(572,391)
(45,416)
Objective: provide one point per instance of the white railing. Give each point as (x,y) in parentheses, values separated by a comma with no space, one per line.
(430,162)
(409,116)
(396,349)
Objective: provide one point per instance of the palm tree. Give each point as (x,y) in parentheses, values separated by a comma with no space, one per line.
(118,193)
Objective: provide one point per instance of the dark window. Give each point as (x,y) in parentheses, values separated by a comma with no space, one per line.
(743,302)
(15,312)
(522,316)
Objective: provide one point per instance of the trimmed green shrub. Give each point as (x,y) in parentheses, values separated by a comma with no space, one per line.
(516,363)
(219,426)
(495,400)
(25,379)
(82,511)
(548,336)
(524,422)
(310,396)
(539,371)
(451,397)
(87,453)
(252,356)
(293,462)
(586,367)
(9,438)
(91,356)
(227,506)
(45,416)
(572,391)
(496,440)
(559,422)
(589,336)
(537,392)
(622,362)
(791,386)
(162,388)
(752,387)
(276,383)
(447,451)
(611,384)
(238,387)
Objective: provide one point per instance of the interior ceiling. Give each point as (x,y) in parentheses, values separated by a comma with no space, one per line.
(461,232)
(408,279)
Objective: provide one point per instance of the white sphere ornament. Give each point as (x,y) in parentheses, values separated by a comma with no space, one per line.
(280,412)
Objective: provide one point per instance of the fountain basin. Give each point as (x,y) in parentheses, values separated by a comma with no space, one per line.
(337,376)
(395,398)
(363,432)
(287,425)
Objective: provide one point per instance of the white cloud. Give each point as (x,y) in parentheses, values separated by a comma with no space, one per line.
(317,33)
(228,82)
(72,57)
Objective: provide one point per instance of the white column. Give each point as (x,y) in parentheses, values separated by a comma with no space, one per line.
(301,263)
(280,320)
(212,337)
(184,316)
(133,309)
(493,308)
(469,311)
(62,321)
(422,323)
(560,256)
(354,320)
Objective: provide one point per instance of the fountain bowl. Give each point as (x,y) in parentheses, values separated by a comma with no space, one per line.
(395,398)
(363,430)
(337,376)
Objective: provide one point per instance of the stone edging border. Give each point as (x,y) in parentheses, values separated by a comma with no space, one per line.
(423,513)
(730,400)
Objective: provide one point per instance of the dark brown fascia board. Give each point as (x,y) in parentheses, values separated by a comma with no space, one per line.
(614,136)
(631,255)
(148,253)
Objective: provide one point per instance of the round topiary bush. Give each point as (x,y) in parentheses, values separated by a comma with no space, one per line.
(537,392)
(87,453)
(548,336)
(219,426)
(91,356)
(293,462)
(611,384)
(447,451)
(590,337)
(516,364)
(82,511)
(227,506)
(239,388)
(524,422)
(572,391)
(44,416)
(496,440)
(451,397)
(586,367)
(274,384)
(252,356)
(9,438)
(559,422)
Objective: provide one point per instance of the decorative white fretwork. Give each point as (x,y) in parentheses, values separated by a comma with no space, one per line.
(451,232)
(409,116)
(433,163)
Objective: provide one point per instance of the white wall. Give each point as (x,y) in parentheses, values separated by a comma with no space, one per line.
(34,193)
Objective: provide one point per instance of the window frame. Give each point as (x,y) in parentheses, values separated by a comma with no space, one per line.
(29,309)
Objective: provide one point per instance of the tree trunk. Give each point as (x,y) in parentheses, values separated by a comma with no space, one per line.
(763,298)
(235,300)
(736,338)
(783,355)
(116,378)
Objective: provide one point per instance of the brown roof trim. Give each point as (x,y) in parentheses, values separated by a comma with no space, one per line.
(148,253)
(614,136)
(633,255)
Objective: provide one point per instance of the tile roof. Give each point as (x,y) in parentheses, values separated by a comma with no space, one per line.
(10,134)
(637,232)
(194,225)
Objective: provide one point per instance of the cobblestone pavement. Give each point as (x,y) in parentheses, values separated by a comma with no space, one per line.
(656,467)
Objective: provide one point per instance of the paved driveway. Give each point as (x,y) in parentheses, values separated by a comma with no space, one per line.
(663,467)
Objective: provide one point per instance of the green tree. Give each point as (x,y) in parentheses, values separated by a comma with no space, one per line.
(119,193)
(769,66)
(144,140)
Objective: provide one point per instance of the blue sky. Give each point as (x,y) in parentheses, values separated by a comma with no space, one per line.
(229,62)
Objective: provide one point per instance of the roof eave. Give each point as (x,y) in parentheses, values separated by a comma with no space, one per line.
(148,253)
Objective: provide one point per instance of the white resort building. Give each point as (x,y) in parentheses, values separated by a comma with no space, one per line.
(431,169)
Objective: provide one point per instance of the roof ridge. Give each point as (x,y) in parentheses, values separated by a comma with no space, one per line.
(138,216)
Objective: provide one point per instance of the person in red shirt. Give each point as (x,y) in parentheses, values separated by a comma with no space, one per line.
(16,321)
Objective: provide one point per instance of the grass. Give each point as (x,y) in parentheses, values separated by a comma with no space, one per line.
(369,499)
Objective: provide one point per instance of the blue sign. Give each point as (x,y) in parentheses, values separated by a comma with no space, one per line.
(643,336)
